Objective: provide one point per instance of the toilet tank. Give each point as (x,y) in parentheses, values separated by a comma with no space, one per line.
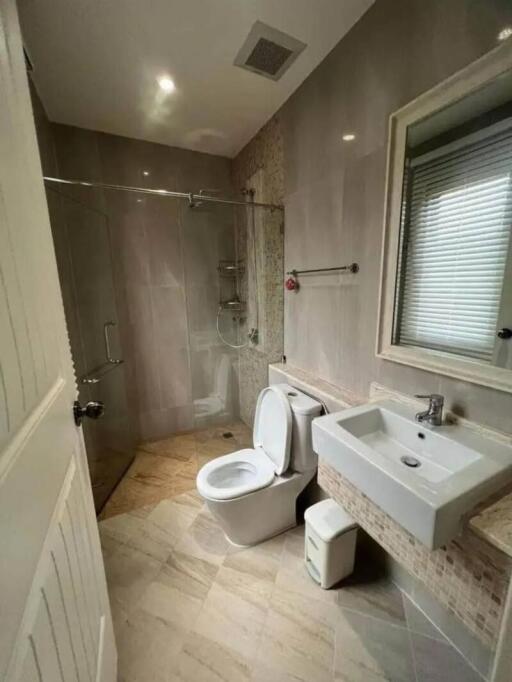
(304,410)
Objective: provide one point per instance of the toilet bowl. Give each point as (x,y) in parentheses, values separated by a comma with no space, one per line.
(253,492)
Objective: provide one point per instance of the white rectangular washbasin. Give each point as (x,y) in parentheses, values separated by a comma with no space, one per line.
(426,478)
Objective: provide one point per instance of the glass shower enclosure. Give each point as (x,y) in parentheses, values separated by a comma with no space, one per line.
(161,298)
(215,310)
(84,257)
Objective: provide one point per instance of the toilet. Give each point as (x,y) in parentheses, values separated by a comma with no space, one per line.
(253,492)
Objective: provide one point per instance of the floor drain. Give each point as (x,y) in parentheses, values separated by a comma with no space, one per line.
(227,434)
(410,461)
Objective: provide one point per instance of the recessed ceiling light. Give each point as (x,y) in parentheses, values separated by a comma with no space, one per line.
(348,137)
(167,84)
(145,172)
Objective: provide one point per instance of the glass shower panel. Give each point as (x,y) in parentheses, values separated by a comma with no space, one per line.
(215,310)
(84,259)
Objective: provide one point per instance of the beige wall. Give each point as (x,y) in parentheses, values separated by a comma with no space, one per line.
(334,191)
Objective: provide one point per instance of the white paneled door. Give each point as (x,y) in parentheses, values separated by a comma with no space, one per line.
(55,623)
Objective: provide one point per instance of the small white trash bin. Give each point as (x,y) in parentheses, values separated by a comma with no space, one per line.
(330,543)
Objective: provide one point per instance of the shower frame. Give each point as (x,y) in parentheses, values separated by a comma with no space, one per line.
(189,196)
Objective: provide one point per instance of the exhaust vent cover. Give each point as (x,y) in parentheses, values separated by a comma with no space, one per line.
(268,51)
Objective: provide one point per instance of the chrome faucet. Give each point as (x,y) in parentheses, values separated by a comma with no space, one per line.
(434,414)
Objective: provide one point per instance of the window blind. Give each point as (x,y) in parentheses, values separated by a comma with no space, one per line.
(457,215)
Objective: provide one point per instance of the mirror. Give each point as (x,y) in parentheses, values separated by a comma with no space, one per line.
(447,280)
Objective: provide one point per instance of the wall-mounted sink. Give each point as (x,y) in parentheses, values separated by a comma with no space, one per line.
(425,478)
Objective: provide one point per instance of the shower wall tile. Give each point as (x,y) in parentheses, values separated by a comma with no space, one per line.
(164,247)
(149,262)
(83,250)
(170,322)
(158,424)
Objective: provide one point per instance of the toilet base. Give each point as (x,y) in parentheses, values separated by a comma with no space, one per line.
(261,515)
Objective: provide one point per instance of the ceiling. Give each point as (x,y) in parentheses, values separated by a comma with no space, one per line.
(96,64)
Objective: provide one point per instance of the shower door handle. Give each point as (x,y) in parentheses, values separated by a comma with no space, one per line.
(106,337)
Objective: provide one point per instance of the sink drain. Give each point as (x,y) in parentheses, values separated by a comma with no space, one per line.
(410,461)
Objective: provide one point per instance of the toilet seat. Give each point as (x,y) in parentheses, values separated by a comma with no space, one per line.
(234,475)
(245,471)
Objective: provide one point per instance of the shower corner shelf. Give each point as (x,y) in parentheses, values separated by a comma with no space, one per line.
(229,268)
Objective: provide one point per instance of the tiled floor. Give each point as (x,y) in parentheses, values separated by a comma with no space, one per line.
(189,606)
(169,467)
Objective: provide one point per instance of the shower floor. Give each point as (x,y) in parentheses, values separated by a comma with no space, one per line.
(167,468)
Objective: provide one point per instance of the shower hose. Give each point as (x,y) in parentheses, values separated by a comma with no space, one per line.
(231,345)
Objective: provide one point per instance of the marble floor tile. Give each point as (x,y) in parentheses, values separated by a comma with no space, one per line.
(141,534)
(216,447)
(299,581)
(264,673)
(191,498)
(128,573)
(299,636)
(117,531)
(245,586)
(188,606)
(234,611)
(203,660)
(147,648)
(417,622)
(293,550)
(204,457)
(167,468)
(109,543)
(181,447)
(439,662)
(150,478)
(262,561)
(173,518)
(163,600)
(189,575)
(153,470)
(371,593)
(371,650)
(204,539)
(189,470)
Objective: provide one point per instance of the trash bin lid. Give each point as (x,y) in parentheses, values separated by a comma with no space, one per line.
(328,519)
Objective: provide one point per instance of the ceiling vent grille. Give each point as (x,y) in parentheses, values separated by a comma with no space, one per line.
(268,52)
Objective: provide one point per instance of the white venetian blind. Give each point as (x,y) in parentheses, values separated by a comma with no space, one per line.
(455,239)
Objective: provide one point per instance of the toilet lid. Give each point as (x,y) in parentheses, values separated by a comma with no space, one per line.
(273,427)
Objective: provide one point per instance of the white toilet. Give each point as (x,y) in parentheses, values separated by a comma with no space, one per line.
(253,492)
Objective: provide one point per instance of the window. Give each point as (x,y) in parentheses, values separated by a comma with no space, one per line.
(454,243)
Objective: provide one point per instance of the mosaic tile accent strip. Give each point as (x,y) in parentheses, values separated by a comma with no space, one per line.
(468,577)
(263,153)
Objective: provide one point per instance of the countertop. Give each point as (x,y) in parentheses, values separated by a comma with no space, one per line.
(494,523)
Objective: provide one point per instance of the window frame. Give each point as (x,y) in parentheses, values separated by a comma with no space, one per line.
(472,78)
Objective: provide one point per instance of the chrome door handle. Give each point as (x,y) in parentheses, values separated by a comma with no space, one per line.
(106,337)
(94,410)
